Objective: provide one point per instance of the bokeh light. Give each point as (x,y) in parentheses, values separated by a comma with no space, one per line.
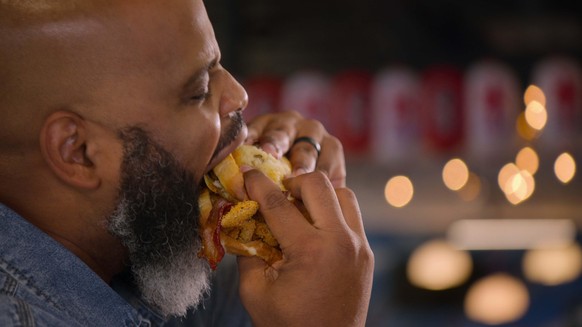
(534,93)
(505,174)
(517,184)
(399,191)
(565,167)
(527,159)
(553,265)
(455,174)
(497,299)
(520,187)
(536,115)
(437,265)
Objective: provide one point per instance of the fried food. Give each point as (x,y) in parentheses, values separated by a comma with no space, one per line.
(228,220)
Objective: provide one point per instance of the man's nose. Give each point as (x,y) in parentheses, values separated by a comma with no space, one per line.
(234,96)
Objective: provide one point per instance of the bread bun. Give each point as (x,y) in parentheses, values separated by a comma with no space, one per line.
(228,219)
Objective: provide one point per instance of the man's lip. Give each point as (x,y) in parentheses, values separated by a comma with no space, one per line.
(224,152)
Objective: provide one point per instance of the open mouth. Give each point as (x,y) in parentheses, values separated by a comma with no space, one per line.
(233,136)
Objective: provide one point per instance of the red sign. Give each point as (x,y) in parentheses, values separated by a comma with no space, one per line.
(350,103)
(492,104)
(308,93)
(561,81)
(442,107)
(395,123)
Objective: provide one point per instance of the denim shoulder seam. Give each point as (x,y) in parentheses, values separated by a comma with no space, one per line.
(20,278)
(10,285)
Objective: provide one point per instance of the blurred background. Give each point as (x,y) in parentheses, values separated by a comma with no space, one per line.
(462,127)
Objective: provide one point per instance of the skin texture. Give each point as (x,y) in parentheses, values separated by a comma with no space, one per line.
(325,276)
(73,74)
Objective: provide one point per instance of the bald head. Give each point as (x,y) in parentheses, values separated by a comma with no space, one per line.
(39,63)
(75,55)
(104,66)
(21,9)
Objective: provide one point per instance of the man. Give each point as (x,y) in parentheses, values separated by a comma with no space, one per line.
(110,114)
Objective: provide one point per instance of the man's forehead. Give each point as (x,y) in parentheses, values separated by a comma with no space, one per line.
(40,6)
(38,11)
(80,43)
(25,12)
(135,24)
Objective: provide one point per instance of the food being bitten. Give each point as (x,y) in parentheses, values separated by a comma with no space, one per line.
(228,220)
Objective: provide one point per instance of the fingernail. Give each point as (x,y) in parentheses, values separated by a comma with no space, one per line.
(299,171)
(272,149)
(244,168)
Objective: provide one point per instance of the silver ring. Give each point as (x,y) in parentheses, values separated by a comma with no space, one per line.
(309,140)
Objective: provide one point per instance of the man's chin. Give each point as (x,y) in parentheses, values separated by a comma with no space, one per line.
(174,288)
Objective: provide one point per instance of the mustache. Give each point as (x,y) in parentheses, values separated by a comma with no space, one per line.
(232,131)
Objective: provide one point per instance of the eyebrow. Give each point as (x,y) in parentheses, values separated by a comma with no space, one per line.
(197,76)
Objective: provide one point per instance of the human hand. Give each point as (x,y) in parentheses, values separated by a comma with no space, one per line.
(275,133)
(325,276)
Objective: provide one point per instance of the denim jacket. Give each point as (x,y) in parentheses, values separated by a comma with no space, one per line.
(44,284)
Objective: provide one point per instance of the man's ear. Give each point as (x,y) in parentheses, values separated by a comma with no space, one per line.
(63,143)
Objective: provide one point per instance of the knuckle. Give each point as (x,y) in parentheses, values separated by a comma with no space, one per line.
(314,124)
(335,144)
(357,250)
(319,179)
(316,178)
(365,252)
(343,249)
(274,199)
(368,257)
(347,193)
(348,246)
(294,114)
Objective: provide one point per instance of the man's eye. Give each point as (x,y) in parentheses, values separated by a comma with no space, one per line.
(202,97)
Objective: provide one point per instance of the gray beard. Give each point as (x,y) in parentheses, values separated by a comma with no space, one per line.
(172,285)
(156,218)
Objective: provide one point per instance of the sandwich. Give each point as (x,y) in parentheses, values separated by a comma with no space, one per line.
(230,222)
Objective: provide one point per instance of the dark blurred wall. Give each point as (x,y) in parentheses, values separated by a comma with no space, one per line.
(283,37)
(280,37)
